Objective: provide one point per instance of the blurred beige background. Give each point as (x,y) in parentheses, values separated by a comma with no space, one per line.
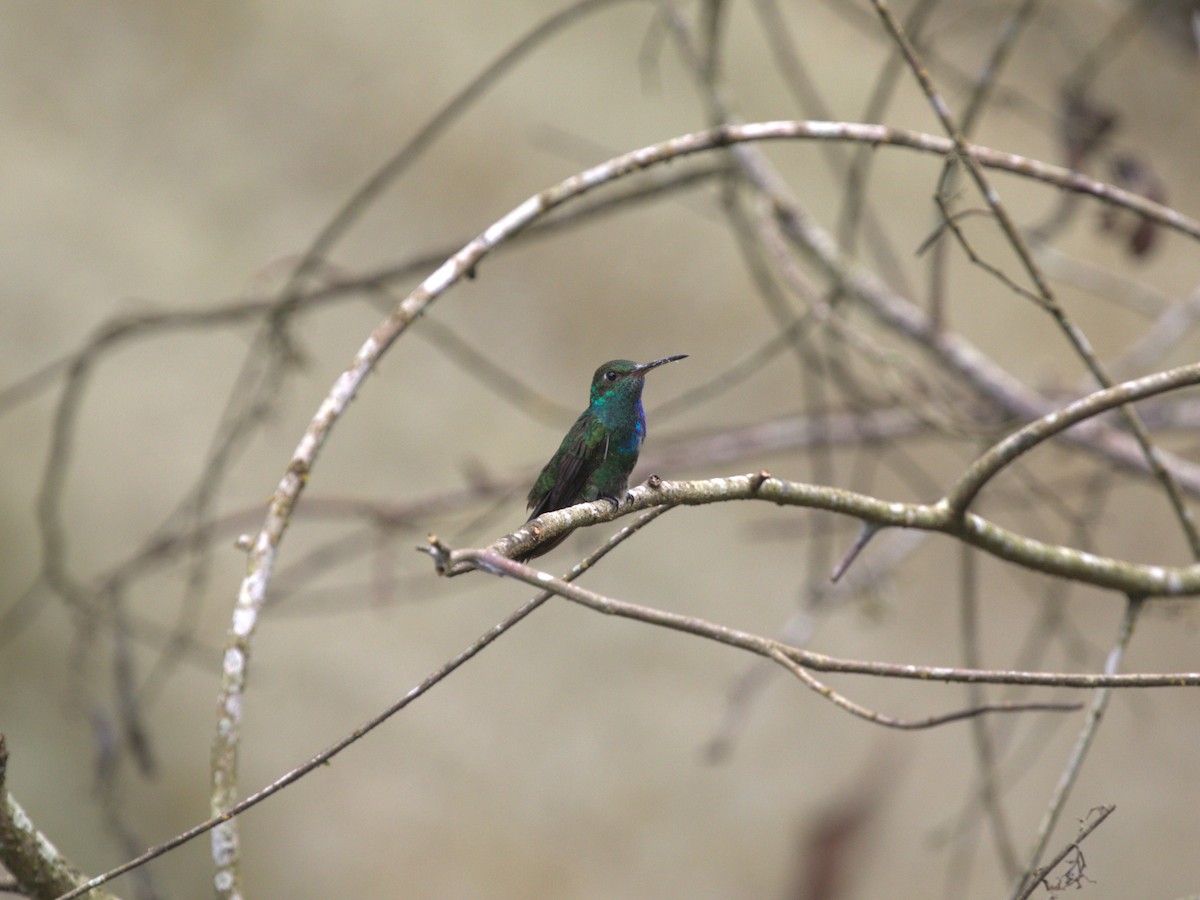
(179,156)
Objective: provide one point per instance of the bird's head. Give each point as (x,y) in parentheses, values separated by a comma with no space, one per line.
(623,378)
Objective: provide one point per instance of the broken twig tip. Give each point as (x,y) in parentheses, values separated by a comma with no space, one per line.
(865,533)
(438,551)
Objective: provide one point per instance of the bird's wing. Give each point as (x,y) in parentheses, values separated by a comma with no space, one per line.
(563,478)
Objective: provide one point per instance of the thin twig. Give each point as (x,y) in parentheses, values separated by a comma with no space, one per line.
(1043,873)
(1087,734)
(493,563)
(877,718)
(981,92)
(981,734)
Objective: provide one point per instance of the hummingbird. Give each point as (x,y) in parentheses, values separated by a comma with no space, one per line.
(594,460)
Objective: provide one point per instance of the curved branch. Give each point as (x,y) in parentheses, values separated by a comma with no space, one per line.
(862,712)
(1017,443)
(265,546)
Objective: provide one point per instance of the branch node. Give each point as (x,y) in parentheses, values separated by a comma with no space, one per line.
(758,479)
(439,552)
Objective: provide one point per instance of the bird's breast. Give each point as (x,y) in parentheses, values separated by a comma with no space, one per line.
(626,426)
(628,439)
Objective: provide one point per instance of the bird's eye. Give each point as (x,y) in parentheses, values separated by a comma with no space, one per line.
(610,375)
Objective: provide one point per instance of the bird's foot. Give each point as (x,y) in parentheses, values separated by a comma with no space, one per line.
(614,501)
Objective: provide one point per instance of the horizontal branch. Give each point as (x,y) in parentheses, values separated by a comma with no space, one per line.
(1050,559)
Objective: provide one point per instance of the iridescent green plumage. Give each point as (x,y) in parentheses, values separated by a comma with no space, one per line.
(598,454)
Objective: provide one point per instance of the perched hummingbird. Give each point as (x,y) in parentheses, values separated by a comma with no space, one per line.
(598,453)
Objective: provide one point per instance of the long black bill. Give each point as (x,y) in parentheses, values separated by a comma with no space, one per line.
(646,367)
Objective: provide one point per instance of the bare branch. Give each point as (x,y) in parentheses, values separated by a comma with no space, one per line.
(869,715)
(493,563)
(1091,725)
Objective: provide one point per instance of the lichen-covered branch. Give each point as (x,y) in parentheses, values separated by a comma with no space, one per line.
(1050,559)
(39,869)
